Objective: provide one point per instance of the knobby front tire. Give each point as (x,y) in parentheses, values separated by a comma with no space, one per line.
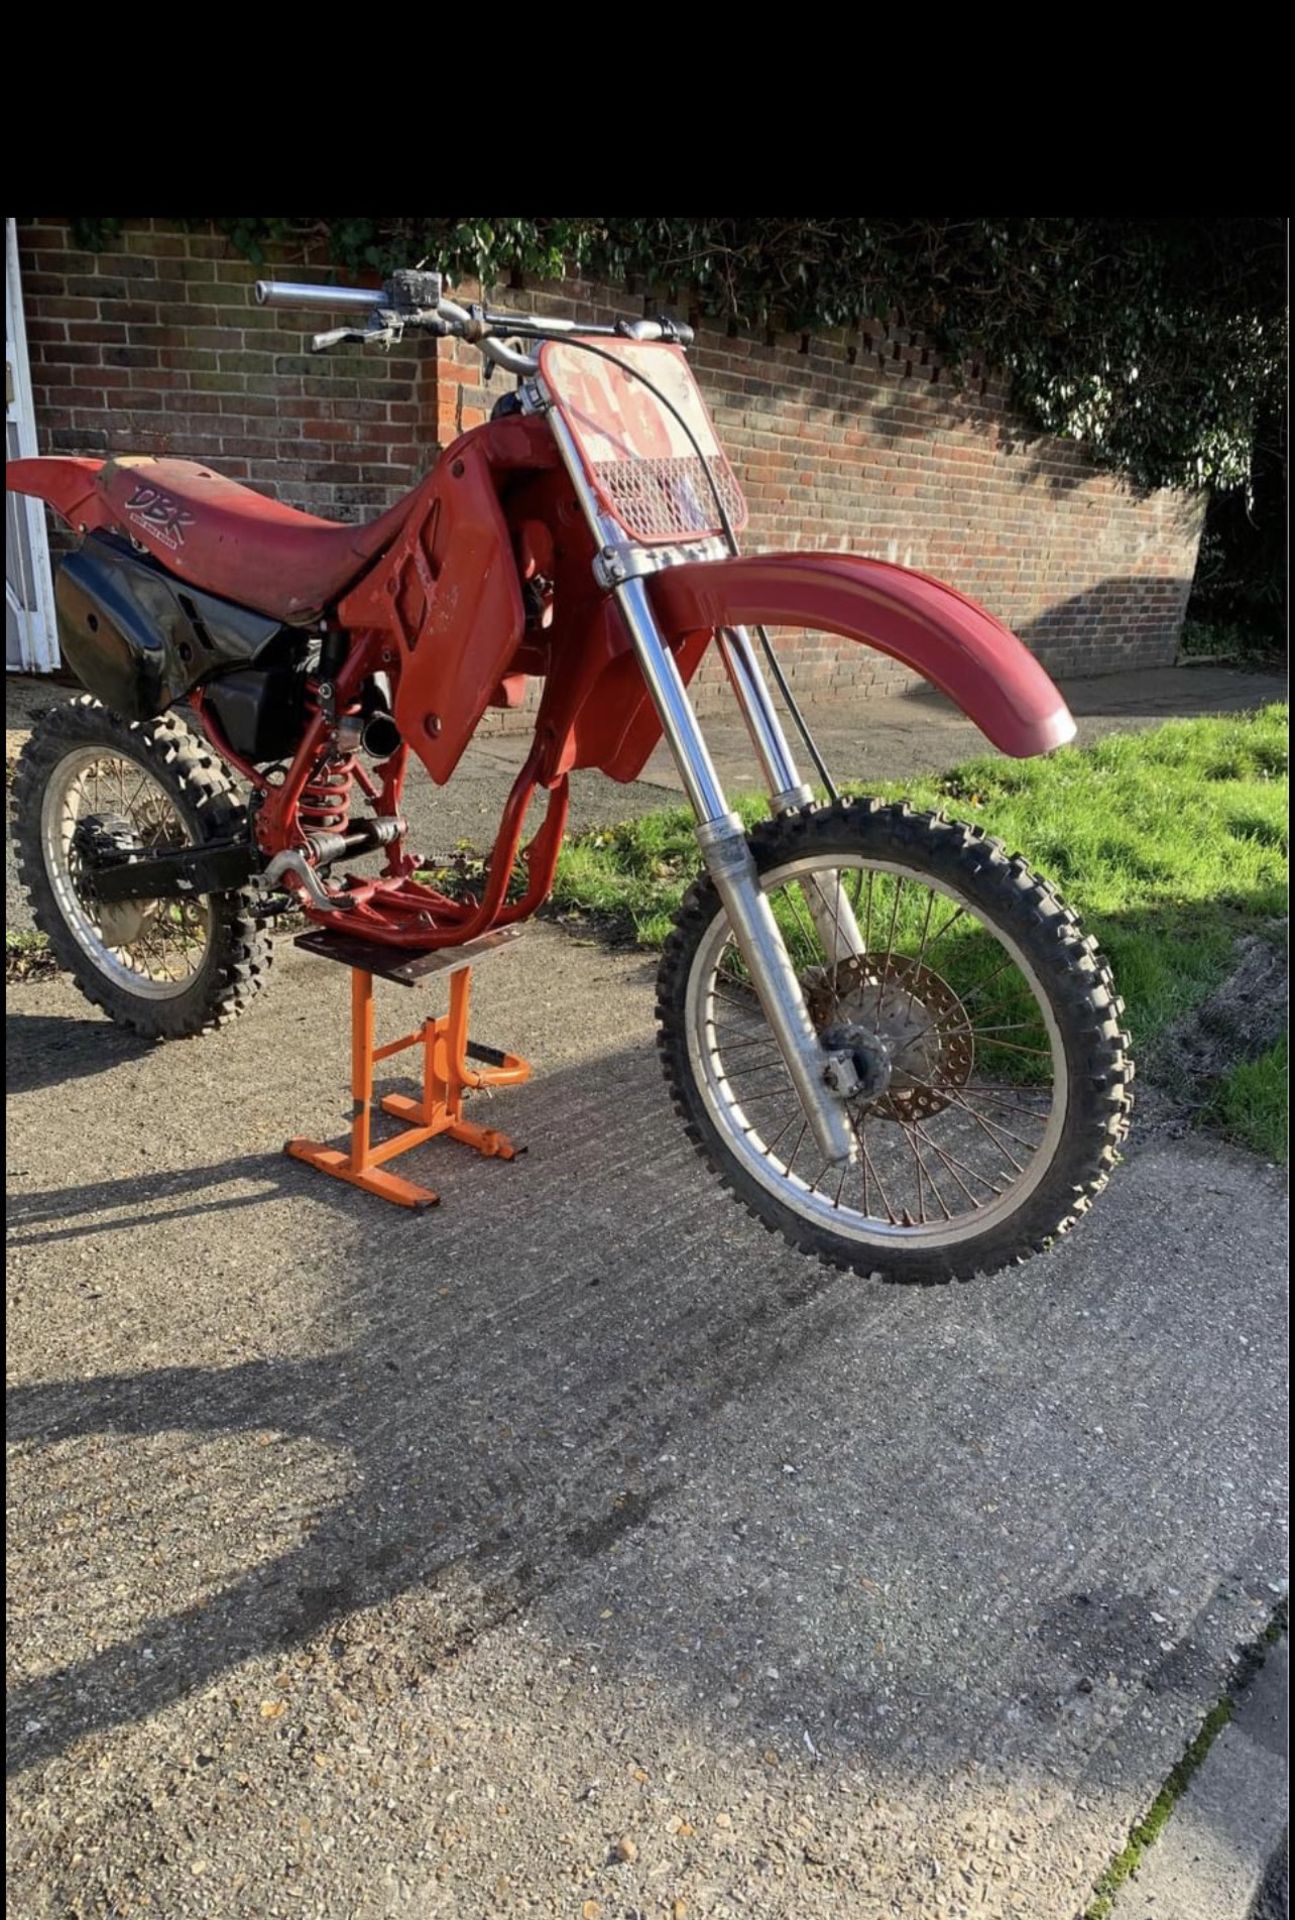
(988,1022)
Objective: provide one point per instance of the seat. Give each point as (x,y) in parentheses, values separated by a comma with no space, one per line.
(233,542)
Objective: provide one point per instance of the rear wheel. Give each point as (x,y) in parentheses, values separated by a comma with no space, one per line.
(983,1027)
(90,786)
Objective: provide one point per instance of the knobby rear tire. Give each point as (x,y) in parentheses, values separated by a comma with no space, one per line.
(1075,979)
(237,956)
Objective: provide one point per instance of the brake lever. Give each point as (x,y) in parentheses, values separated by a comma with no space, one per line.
(321,342)
(387,330)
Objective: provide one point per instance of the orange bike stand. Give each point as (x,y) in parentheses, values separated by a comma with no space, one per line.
(446,1073)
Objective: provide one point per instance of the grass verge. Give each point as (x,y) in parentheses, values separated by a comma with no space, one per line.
(1171,844)
(1149,1828)
(1251,1103)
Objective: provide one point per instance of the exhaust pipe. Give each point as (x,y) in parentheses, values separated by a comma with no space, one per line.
(380,736)
(327,847)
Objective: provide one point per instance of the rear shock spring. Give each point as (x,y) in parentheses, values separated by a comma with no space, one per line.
(325,803)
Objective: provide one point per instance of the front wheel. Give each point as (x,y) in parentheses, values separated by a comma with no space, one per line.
(992,1070)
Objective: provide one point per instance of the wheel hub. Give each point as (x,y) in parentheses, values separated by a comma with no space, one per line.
(904,1028)
(98,839)
(869,1055)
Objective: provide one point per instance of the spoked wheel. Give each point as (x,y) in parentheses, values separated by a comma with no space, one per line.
(990,1074)
(91,787)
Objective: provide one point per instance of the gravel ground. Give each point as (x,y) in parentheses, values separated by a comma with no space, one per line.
(577,1549)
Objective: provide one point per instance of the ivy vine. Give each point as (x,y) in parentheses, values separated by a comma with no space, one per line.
(1159,343)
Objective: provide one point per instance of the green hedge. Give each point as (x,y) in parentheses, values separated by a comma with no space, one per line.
(1158,343)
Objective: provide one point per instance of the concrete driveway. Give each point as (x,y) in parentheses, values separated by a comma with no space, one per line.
(577,1549)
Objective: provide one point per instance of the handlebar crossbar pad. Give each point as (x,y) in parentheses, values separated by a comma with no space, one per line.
(409,289)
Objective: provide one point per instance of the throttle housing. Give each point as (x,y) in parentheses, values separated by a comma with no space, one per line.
(410,290)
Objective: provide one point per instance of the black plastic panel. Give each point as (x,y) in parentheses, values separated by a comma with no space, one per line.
(137,638)
(260,710)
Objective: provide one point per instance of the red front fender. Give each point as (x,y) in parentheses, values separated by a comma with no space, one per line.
(932,628)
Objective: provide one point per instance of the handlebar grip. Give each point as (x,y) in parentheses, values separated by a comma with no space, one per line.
(674,332)
(287,293)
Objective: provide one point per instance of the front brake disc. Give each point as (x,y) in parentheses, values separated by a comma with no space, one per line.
(916,1013)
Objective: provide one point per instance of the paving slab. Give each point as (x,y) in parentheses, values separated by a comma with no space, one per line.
(578,1549)
(1272,1902)
(1213,1858)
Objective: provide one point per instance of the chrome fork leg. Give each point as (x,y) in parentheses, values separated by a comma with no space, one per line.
(732,868)
(824,894)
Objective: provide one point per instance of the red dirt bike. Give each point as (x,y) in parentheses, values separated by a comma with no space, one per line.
(886,1035)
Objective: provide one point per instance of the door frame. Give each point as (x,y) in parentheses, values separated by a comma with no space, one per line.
(37,628)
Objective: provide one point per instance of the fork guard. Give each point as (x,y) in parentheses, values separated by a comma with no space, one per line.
(937,631)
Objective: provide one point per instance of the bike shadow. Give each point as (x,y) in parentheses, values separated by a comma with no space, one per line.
(482,1409)
(310,1425)
(45,1052)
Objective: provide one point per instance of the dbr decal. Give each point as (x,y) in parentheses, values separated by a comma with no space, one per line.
(160,515)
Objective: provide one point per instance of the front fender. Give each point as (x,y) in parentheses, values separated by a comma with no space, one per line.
(933,629)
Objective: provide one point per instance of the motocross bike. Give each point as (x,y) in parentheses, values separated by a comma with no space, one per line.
(888,1037)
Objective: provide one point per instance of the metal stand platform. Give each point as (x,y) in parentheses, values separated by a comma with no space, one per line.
(446,1073)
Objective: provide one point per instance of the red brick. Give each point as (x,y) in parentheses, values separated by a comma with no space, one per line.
(876,459)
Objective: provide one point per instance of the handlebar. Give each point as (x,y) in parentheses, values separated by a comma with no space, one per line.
(415,298)
(287,293)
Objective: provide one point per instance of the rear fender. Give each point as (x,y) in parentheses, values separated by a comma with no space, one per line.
(938,632)
(69,486)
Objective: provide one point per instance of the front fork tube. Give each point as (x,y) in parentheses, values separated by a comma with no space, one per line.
(824,894)
(732,868)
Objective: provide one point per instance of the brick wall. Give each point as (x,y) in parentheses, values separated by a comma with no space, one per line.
(158,347)
(860,442)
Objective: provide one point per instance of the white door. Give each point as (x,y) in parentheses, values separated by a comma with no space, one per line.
(31,638)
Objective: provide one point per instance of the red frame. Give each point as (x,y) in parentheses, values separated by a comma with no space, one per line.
(483,576)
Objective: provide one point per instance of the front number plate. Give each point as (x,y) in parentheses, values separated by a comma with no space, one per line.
(642,465)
